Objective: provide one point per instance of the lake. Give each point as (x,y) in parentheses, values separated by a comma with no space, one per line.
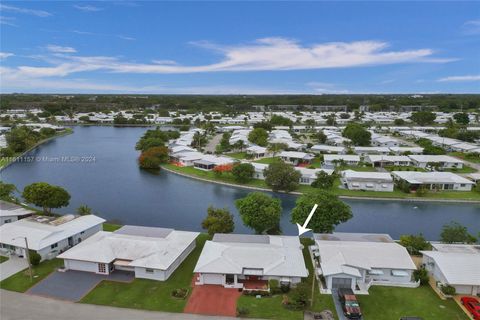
(97,165)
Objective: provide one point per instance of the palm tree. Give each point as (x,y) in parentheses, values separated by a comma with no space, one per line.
(84,210)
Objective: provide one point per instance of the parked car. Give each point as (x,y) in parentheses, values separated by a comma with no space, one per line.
(472,305)
(350,306)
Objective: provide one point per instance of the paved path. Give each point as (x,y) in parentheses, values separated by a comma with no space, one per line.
(213,300)
(11,266)
(18,306)
(212,144)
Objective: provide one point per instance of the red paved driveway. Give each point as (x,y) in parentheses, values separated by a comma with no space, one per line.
(213,300)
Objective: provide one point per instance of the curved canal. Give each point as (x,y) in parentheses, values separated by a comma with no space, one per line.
(97,165)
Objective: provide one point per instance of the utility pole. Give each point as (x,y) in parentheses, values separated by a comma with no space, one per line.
(28,257)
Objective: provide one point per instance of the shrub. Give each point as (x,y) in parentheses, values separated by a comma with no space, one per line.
(274,286)
(298,297)
(421,275)
(414,243)
(448,290)
(180,293)
(34,258)
(242,311)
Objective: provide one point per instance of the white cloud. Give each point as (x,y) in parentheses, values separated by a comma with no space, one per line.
(8,21)
(269,54)
(60,49)
(87,8)
(467,78)
(471,27)
(126,37)
(38,13)
(5,55)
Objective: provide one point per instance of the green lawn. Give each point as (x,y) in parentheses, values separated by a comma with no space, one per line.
(357,168)
(237,155)
(111,227)
(3,259)
(386,303)
(465,169)
(404,168)
(272,308)
(397,193)
(149,294)
(20,281)
(268,160)
(466,156)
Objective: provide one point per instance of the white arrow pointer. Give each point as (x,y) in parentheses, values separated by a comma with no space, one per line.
(303,229)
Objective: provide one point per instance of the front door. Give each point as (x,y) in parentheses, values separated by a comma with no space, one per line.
(70,241)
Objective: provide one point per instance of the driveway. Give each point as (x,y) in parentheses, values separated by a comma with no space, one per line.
(212,144)
(213,300)
(338,305)
(11,266)
(73,285)
(19,306)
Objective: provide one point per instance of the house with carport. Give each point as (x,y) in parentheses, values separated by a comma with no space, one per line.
(439,161)
(456,265)
(360,260)
(248,262)
(432,180)
(148,252)
(10,212)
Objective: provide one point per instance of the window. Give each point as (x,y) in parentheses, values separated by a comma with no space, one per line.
(102,268)
(82,232)
(462,185)
(53,246)
(8,220)
(148,270)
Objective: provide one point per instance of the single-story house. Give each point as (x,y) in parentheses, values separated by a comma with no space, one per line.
(465,147)
(443,161)
(323,148)
(186,158)
(151,253)
(456,265)
(358,261)
(372,181)
(475,177)
(249,261)
(209,162)
(433,180)
(310,175)
(371,150)
(48,236)
(382,161)
(333,160)
(257,151)
(296,158)
(403,150)
(383,141)
(10,212)
(259,168)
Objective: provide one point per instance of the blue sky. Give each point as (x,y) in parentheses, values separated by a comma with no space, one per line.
(240,48)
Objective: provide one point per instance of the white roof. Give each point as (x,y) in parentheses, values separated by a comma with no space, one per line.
(417,177)
(147,247)
(371,149)
(296,155)
(458,268)
(346,157)
(256,149)
(340,256)
(44,234)
(362,175)
(325,147)
(407,149)
(379,158)
(434,158)
(273,255)
(8,209)
(312,173)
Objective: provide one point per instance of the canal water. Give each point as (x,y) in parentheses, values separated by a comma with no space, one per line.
(97,165)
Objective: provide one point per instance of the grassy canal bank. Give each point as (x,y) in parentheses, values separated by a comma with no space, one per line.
(256,184)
